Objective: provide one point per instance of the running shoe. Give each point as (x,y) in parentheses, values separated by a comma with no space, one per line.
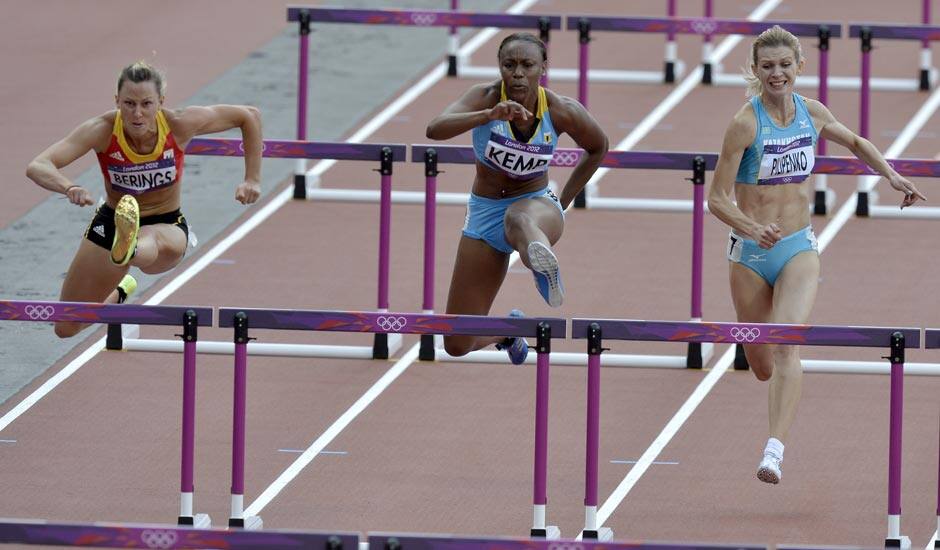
(126,227)
(517,348)
(769,469)
(547,275)
(125,288)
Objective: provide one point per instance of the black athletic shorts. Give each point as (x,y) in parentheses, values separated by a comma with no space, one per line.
(101,229)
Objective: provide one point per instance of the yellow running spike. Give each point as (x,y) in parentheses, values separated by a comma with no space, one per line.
(126,227)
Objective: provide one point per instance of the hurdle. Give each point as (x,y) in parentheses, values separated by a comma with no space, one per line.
(432,156)
(189,318)
(543,329)
(932,341)
(383,345)
(866,202)
(895,339)
(305,15)
(133,535)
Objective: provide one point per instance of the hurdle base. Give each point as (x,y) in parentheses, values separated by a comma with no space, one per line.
(600,534)
(118,333)
(199,521)
(550,532)
(740,360)
(249,523)
(898,542)
(426,351)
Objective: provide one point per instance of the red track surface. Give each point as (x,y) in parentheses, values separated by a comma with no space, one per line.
(447,448)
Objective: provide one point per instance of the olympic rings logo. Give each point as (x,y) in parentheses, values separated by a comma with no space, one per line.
(745,334)
(40,313)
(391,324)
(704,26)
(566,158)
(155,538)
(423,19)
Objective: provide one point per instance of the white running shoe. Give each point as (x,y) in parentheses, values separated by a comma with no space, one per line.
(547,275)
(769,469)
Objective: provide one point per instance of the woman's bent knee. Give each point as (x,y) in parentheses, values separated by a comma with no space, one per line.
(457,347)
(67,330)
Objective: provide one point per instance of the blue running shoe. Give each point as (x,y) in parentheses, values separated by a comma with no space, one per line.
(547,275)
(517,348)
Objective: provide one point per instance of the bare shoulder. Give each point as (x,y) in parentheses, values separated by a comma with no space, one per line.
(816,109)
(564,109)
(96,131)
(743,126)
(486,92)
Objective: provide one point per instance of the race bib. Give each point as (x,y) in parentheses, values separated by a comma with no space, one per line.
(137,179)
(519,160)
(786,161)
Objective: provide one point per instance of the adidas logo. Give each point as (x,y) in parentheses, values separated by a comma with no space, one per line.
(168,154)
(99,229)
(117,156)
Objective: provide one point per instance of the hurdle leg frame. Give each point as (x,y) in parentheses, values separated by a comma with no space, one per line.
(188,443)
(894,538)
(592,531)
(820,206)
(426,350)
(540,469)
(300,171)
(672,49)
(238,518)
(861,206)
(694,350)
(380,348)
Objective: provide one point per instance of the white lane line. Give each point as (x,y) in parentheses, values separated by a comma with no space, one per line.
(210,256)
(655,463)
(317,446)
(933,540)
(299,451)
(7,441)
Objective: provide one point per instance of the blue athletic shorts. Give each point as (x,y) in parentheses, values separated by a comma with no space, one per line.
(485,217)
(769,263)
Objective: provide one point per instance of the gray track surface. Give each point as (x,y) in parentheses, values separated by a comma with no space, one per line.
(354,69)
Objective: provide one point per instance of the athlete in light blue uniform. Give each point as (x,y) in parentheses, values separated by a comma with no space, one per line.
(760,189)
(515,125)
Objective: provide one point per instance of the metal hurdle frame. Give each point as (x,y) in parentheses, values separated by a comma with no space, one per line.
(932,341)
(189,318)
(305,15)
(140,535)
(544,329)
(673,67)
(431,156)
(706,27)
(866,204)
(383,346)
(896,339)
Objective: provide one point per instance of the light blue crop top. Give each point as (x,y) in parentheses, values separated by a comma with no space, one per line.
(496,147)
(779,155)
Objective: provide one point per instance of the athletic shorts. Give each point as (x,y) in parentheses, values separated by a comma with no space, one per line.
(485,217)
(769,263)
(101,229)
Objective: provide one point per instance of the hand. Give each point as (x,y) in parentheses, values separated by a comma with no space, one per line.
(248,192)
(79,195)
(911,194)
(509,110)
(768,236)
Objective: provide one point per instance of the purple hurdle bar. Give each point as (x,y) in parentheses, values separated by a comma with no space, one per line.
(707,27)
(450,542)
(406,323)
(757,333)
(188,317)
(867,32)
(305,15)
(114,535)
(386,154)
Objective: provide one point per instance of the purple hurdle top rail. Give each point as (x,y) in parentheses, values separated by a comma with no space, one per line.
(704,26)
(305,15)
(750,333)
(114,535)
(187,317)
(449,542)
(385,154)
(544,329)
(866,33)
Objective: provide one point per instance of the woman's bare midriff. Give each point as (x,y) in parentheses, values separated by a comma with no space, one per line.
(786,205)
(491,184)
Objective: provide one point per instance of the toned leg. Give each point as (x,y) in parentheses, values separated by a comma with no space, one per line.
(479,271)
(91,278)
(753,303)
(794,295)
(533,220)
(159,248)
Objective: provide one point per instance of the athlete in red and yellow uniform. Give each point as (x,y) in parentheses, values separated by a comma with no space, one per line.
(140,151)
